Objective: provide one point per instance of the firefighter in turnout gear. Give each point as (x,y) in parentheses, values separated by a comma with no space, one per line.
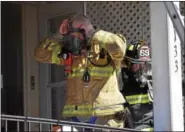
(91,59)
(136,76)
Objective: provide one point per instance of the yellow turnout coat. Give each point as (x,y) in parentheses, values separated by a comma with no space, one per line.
(102,96)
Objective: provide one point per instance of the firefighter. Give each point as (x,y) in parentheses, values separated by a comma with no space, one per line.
(92,59)
(136,76)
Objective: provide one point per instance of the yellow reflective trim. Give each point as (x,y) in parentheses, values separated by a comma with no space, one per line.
(101,75)
(109,110)
(138,99)
(137,96)
(88,110)
(101,72)
(56,51)
(77,110)
(94,71)
(77,72)
(78,69)
(79,106)
(148,129)
(131,47)
(108,68)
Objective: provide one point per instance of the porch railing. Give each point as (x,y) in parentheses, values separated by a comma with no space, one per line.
(49,123)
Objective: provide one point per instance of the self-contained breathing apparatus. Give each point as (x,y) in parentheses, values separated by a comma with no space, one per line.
(74,42)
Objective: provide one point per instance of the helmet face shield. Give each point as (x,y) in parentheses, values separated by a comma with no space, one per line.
(141,71)
(135,67)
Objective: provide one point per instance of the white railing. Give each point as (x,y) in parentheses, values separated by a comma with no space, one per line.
(74,126)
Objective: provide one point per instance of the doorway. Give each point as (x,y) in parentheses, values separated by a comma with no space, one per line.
(50,17)
(12,66)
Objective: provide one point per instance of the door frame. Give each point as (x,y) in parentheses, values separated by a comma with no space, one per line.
(30,66)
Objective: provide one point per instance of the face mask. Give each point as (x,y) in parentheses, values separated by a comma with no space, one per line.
(74,38)
(74,43)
